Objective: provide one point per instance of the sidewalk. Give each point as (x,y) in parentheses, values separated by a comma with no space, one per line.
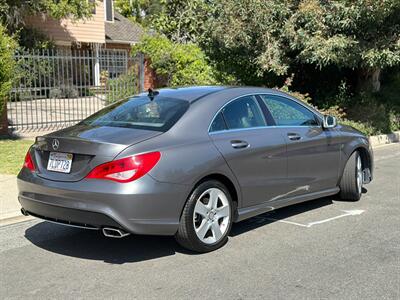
(9,205)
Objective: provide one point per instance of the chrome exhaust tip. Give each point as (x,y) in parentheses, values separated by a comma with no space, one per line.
(24,212)
(114,232)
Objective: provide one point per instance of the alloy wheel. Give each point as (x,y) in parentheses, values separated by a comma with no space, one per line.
(359,175)
(211,216)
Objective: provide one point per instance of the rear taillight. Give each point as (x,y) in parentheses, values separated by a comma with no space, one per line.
(126,169)
(28,163)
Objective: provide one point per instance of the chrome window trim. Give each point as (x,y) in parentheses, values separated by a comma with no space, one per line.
(317,114)
(260,127)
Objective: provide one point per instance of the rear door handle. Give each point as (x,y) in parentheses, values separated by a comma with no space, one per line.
(294,136)
(237,144)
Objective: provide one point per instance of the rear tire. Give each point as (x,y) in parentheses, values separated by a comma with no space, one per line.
(352,179)
(206,218)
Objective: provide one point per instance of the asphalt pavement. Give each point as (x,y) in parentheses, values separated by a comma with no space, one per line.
(325,248)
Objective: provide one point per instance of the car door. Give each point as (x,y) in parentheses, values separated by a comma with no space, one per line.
(255,152)
(313,152)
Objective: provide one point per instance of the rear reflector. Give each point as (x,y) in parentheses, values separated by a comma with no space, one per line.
(28,163)
(126,169)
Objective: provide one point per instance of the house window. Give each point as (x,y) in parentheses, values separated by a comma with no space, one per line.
(109,11)
(115,62)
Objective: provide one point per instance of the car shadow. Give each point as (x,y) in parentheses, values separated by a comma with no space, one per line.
(284,213)
(90,244)
(279,214)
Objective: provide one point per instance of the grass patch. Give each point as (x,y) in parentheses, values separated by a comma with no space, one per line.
(12,154)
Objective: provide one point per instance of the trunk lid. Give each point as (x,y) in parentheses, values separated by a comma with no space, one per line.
(90,147)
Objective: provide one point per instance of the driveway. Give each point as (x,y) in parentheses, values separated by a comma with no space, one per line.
(43,113)
(320,249)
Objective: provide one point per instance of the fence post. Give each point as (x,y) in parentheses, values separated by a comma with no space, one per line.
(97,65)
(4,120)
(141,72)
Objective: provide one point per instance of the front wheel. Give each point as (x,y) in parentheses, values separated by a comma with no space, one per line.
(206,218)
(352,179)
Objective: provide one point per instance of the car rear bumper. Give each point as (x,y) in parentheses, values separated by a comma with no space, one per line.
(144,206)
(66,216)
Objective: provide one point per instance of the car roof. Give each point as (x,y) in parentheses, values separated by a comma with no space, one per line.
(194,93)
(190,94)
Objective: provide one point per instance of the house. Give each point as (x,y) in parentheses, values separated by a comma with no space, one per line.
(106,33)
(106,28)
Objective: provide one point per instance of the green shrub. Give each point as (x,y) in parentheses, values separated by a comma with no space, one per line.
(344,95)
(64,91)
(368,113)
(7,48)
(365,128)
(33,38)
(176,64)
(123,86)
(371,119)
(287,89)
(376,110)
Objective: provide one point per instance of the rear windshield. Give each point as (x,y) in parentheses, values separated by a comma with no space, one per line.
(140,113)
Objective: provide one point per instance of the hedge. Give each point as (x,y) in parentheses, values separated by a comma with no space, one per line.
(7,48)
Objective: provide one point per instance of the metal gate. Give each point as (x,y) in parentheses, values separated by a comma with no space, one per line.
(58,88)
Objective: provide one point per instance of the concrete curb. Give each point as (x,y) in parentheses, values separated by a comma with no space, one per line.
(16,219)
(384,139)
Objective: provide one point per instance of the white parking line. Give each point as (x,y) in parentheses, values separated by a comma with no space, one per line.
(353,212)
(288,222)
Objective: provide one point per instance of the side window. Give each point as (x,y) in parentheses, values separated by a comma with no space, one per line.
(218,124)
(243,113)
(287,112)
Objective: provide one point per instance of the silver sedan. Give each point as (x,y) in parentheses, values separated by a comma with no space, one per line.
(189,162)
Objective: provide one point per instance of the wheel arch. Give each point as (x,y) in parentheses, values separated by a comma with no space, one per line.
(225,180)
(366,158)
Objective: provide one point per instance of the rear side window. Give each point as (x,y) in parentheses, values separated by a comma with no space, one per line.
(243,113)
(141,113)
(218,124)
(287,112)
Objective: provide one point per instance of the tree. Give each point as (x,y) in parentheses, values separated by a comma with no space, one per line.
(184,21)
(7,47)
(180,20)
(246,39)
(268,37)
(176,64)
(139,11)
(13,12)
(362,35)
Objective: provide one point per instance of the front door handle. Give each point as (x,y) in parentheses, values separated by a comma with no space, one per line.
(294,136)
(238,144)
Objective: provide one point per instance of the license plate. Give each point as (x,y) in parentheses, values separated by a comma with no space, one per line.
(60,162)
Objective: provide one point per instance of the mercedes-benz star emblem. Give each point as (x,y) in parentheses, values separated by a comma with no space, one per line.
(55,144)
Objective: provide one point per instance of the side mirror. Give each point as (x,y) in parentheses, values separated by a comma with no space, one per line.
(329,122)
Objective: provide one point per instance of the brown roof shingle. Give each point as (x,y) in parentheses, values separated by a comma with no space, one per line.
(122,30)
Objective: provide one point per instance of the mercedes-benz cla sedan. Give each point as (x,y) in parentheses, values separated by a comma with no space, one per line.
(189,162)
